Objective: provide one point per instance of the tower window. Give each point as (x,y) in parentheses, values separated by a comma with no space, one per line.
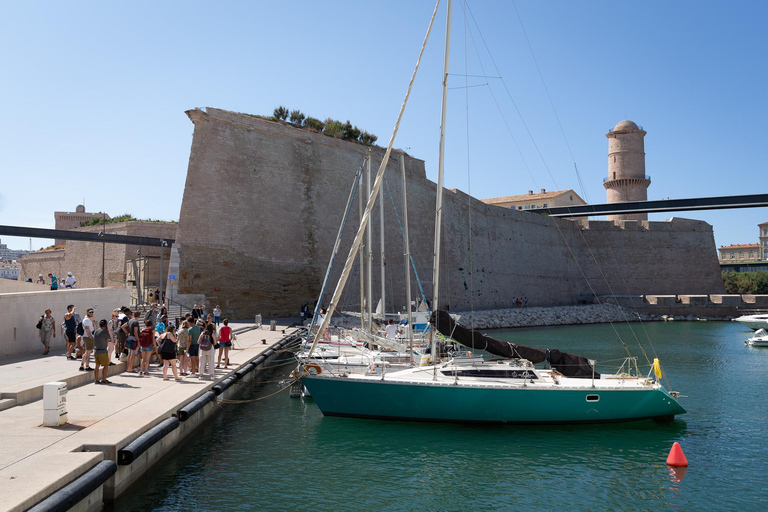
(614,174)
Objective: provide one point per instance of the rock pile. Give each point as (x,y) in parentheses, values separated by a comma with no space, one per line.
(560,315)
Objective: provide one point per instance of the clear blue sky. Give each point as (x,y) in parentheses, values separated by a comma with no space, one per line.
(94,93)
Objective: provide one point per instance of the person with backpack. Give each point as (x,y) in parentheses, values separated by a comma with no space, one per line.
(167,348)
(131,328)
(147,346)
(207,341)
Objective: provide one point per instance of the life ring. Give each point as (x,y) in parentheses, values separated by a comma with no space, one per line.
(317,368)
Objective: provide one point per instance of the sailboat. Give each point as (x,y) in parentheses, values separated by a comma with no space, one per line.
(508,388)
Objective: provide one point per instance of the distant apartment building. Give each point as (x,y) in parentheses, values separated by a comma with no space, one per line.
(9,270)
(543,199)
(739,253)
(10,254)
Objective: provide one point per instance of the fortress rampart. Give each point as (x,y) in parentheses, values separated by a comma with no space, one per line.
(263,202)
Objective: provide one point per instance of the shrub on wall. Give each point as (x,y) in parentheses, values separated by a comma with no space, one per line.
(334,128)
(368,138)
(314,124)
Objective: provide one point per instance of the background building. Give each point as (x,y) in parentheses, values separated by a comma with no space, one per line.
(626,179)
(739,253)
(543,199)
(72,220)
(7,254)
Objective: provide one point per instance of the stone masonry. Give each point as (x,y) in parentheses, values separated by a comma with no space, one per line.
(263,202)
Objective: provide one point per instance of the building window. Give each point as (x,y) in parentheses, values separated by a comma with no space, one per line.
(544,205)
(741,255)
(527,207)
(751,254)
(733,255)
(765,231)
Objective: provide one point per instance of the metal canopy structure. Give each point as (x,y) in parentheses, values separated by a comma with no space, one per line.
(664,205)
(84,236)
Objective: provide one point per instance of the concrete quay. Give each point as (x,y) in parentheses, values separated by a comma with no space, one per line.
(38,461)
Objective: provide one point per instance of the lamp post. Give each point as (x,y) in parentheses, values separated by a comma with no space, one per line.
(103,245)
(163,244)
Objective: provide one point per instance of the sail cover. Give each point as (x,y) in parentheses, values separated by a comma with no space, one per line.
(570,365)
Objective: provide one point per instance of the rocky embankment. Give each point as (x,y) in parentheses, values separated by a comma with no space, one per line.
(560,315)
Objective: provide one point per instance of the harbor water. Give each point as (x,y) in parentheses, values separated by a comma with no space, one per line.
(278,453)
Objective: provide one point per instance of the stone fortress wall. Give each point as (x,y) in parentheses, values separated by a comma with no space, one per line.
(263,202)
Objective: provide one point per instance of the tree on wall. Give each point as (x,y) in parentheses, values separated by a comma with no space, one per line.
(281,113)
(297,118)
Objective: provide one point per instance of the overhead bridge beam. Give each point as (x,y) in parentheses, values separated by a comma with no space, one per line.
(84,236)
(664,205)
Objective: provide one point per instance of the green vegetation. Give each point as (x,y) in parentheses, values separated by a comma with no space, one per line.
(745,282)
(331,127)
(297,118)
(126,217)
(281,113)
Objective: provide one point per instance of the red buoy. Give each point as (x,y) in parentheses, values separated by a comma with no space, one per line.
(677,457)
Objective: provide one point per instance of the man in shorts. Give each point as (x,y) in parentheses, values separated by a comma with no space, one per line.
(88,330)
(70,329)
(100,355)
(194,348)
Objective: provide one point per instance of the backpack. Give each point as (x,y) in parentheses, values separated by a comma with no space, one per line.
(79,320)
(145,337)
(205,341)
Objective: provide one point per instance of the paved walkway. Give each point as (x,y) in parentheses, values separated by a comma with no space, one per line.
(37,460)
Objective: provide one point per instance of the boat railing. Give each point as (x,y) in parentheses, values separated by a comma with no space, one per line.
(628,364)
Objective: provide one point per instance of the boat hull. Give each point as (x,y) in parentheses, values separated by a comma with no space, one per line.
(377,399)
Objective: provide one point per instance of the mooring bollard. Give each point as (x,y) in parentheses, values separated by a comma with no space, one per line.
(272,325)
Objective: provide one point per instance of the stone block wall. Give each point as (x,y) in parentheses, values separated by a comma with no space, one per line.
(22,310)
(261,241)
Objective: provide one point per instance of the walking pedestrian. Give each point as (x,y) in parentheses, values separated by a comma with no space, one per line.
(168,344)
(70,330)
(225,343)
(47,328)
(147,344)
(131,328)
(112,327)
(217,316)
(100,355)
(88,330)
(182,347)
(206,341)
(54,281)
(194,347)
(151,315)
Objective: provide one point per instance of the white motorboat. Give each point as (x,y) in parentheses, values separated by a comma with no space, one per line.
(759,339)
(759,321)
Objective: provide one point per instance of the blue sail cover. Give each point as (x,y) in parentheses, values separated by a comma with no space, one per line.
(570,365)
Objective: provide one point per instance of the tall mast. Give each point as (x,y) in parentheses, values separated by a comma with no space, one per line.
(407,259)
(383,260)
(362,258)
(369,255)
(440,166)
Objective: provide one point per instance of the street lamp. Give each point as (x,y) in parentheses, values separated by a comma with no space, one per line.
(103,245)
(163,244)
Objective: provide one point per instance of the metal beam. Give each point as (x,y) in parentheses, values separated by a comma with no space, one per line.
(663,205)
(83,236)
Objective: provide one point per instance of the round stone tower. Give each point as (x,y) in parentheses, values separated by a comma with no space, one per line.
(626,179)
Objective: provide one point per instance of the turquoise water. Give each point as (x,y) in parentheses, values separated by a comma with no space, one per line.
(282,454)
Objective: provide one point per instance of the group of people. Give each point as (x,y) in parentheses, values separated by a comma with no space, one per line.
(186,347)
(69,282)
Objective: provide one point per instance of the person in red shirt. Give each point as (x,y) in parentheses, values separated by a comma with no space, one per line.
(225,342)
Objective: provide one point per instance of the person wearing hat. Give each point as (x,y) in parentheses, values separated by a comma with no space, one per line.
(40,279)
(88,330)
(70,281)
